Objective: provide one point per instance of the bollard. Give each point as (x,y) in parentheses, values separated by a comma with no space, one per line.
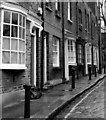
(95,71)
(89,72)
(73,78)
(27,101)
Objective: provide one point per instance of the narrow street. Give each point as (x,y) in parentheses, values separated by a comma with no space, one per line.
(89,105)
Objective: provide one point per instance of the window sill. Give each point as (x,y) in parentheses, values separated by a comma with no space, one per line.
(70,21)
(74,64)
(49,8)
(13,67)
(56,67)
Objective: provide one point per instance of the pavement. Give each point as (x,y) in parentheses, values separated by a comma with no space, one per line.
(52,100)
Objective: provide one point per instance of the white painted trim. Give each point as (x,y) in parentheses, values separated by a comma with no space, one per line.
(35,58)
(12,7)
(13,66)
(45,60)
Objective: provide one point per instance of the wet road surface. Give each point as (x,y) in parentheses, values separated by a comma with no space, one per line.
(89,105)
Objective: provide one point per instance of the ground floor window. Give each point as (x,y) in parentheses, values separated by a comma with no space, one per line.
(95,55)
(13,38)
(89,54)
(71,52)
(80,54)
(55,51)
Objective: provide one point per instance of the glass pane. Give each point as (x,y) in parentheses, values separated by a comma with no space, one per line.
(21,45)
(14,31)
(20,22)
(6,17)
(21,58)
(6,30)
(13,58)
(23,35)
(23,21)
(20,32)
(15,18)
(6,44)
(14,44)
(6,57)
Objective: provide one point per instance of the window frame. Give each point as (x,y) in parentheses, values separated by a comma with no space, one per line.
(70,12)
(71,50)
(58,51)
(11,65)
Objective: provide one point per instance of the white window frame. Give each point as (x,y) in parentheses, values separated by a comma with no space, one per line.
(54,51)
(56,5)
(71,50)
(69,13)
(89,54)
(17,65)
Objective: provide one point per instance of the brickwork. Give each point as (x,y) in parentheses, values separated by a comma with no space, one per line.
(52,26)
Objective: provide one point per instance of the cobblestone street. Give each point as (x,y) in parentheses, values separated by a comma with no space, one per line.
(90,106)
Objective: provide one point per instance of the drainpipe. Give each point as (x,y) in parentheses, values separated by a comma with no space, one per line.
(42,49)
(63,41)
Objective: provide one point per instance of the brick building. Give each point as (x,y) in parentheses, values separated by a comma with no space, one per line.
(20,34)
(38,48)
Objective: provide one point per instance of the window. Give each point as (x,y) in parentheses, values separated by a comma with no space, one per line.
(71,52)
(88,22)
(89,54)
(80,19)
(55,52)
(70,11)
(94,55)
(85,20)
(49,5)
(13,38)
(80,54)
(57,5)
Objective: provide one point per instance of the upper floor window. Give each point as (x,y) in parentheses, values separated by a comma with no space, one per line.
(70,11)
(49,4)
(85,20)
(88,22)
(71,52)
(80,17)
(55,52)
(13,38)
(57,5)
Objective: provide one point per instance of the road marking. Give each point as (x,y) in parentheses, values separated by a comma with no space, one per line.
(66,116)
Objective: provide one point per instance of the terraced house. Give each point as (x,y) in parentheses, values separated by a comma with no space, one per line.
(40,42)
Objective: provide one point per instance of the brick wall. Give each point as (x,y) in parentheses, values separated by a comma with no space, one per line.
(52,26)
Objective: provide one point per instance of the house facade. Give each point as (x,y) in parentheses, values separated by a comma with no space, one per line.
(20,33)
(40,42)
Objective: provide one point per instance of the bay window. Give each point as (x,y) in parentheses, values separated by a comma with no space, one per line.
(13,38)
(71,52)
(55,52)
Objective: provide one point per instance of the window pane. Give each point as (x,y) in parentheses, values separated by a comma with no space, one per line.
(6,17)
(14,31)
(14,44)
(6,30)
(6,44)
(13,57)
(23,21)
(21,45)
(23,35)
(21,58)
(6,57)
(15,18)
(20,32)
(20,22)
